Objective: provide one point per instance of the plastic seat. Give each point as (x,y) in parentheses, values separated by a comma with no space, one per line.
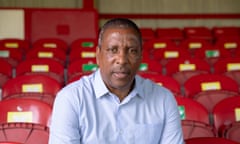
(225,32)
(12,43)
(10,143)
(43,53)
(150,66)
(36,66)
(147,33)
(209,140)
(82,53)
(209,89)
(229,67)
(195,119)
(81,67)
(25,111)
(165,55)
(12,56)
(164,81)
(158,43)
(232,131)
(50,43)
(226,116)
(211,54)
(231,44)
(191,44)
(83,43)
(173,33)
(39,87)
(184,68)
(5,72)
(199,32)
(23,133)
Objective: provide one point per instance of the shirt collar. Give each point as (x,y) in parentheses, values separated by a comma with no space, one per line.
(101,89)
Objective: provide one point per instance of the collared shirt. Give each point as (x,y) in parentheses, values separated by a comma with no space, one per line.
(86,112)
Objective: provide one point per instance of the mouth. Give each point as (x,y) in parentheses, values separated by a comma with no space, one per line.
(121,74)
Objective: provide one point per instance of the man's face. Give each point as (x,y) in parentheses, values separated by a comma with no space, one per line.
(119,57)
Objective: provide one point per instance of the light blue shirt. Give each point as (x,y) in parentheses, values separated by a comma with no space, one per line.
(85,112)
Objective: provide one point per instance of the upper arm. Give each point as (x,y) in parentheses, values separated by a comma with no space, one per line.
(64,128)
(172,132)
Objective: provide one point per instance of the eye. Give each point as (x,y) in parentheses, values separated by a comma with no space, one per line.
(133,51)
(112,50)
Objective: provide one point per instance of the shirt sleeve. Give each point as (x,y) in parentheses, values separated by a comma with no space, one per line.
(172,132)
(64,128)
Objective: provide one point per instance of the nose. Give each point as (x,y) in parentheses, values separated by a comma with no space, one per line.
(122,58)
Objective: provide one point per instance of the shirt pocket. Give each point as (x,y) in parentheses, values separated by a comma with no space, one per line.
(148,133)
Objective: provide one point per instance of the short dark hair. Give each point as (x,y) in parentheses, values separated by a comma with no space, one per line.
(119,23)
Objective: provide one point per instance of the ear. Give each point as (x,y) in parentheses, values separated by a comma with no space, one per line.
(97,54)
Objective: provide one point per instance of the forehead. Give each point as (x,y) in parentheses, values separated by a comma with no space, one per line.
(118,32)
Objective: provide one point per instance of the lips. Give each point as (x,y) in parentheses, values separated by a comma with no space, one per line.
(121,74)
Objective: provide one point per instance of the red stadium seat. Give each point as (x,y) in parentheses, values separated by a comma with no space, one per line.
(195,119)
(225,32)
(39,87)
(226,114)
(167,54)
(12,43)
(209,140)
(10,143)
(199,32)
(209,89)
(158,43)
(46,66)
(81,67)
(211,54)
(5,72)
(175,34)
(51,43)
(192,44)
(83,43)
(82,53)
(25,111)
(43,53)
(232,131)
(152,66)
(184,68)
(229,67)
(12,56)
(231,44)
(147,33)
(23,133)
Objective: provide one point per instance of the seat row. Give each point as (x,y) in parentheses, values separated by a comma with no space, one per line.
(178,34)
(180,69)
(207,89)
(15,50)
(25,119)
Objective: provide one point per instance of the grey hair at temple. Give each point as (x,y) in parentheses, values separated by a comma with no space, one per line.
(119,23)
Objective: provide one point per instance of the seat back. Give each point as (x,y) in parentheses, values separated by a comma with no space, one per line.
(51,43)
(209,89)
(47,67)
(195,119)
(39,87)
(23,133)
(209,140)
(183,68)
(232,131)
(25,111)
(226,112)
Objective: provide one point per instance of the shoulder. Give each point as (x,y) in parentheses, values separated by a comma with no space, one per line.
(148,86)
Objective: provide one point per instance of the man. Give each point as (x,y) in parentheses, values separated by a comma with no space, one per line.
(114,105)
